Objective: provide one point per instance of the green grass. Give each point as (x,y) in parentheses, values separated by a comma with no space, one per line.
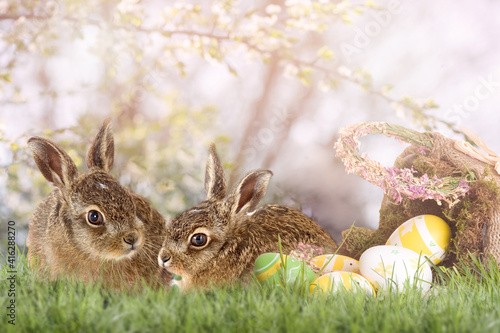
(468,302)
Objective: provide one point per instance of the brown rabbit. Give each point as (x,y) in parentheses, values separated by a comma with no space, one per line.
(217,241)
(89,226)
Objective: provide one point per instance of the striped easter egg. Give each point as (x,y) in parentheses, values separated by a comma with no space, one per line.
(266,265)
(426,234)
(332,282)
(336,262)
(268,269)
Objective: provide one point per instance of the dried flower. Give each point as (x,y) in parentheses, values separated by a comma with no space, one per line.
(396,183)
(305,253)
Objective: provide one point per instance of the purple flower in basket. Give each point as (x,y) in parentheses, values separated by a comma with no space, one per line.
(396,183)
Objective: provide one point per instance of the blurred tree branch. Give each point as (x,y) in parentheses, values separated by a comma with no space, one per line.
(256,120)
(269,32)
(298,108)
(135,43)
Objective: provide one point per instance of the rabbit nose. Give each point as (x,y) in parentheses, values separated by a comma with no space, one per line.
(132,238)
(163,258)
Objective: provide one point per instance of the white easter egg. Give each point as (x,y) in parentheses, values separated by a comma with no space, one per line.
(330,283)
(426,234)
(331,263)
(396,268)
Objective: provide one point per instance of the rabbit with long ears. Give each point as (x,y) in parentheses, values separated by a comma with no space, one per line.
(89,226)
(217,241)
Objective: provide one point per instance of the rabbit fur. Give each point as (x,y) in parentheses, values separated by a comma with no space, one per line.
(217,241)
(121,248)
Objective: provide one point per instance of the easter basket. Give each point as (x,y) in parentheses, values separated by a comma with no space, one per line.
(435,175)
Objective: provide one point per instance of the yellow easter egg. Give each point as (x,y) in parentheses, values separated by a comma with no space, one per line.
(330,283)
(426,234)
(332,263)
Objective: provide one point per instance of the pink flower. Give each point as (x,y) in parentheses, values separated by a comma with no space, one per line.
(422,151)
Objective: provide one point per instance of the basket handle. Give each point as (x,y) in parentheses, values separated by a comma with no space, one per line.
(396,183)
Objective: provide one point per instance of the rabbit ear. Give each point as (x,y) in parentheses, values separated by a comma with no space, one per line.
(250,191)
(215,178)
(55,165)
(101,152)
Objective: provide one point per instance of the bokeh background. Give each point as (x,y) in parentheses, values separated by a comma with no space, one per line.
(270,82)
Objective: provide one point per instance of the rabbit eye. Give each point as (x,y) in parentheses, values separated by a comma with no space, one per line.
(94,217)
(199,240)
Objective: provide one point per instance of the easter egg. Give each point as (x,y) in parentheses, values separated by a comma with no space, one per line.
(331,263)
(269,268)
(426,234)
(266,265)
(330,283)
(396,268)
